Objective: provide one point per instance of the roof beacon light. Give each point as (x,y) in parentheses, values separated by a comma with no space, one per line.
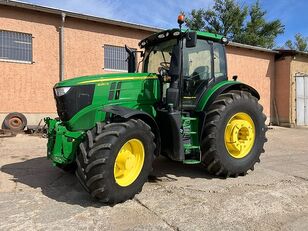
(181,18)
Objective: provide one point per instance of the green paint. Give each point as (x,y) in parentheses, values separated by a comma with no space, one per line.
(208,35)
(191,162)
(101,78)
(211,91)
(190,131)
(138,90)
(62,144)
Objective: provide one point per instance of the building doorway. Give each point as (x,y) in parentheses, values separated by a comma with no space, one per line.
(302,100)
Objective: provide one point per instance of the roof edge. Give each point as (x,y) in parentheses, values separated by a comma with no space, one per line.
(289,52)
(250,47)
(57,11)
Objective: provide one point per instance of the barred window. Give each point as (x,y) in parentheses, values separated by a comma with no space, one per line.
(15,46)
(115,58)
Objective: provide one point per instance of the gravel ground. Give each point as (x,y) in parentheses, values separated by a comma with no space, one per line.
(36,196)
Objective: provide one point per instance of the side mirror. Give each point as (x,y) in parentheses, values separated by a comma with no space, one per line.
(191,39)
(131,60)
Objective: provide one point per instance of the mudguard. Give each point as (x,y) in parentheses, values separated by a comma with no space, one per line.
(211,94)
(208,97)
(127,113)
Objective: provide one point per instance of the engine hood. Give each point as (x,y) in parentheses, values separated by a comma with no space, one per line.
(101,78)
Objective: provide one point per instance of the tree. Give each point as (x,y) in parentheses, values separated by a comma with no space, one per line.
(259,32)
(239,23)
(195,20)
(300,44)
(226,18)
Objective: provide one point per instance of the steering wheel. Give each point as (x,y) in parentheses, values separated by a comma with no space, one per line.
(165,65)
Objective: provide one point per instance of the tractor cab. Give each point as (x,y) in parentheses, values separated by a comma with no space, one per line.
(187,63)
(190,62)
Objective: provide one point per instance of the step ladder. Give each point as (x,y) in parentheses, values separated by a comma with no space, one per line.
(190,140)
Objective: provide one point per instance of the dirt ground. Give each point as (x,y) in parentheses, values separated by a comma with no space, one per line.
(36,196)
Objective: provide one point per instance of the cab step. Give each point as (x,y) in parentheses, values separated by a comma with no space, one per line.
(191,161)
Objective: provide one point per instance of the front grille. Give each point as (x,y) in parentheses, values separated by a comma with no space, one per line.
(77,98)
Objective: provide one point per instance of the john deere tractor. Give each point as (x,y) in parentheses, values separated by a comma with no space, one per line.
(112,126)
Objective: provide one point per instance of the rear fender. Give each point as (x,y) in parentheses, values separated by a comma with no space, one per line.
(210,95)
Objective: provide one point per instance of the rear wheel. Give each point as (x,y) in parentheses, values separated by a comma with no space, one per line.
(234,134)
(115,160)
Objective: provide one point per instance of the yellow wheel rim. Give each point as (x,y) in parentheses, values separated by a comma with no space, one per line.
(129,162)
(240,135)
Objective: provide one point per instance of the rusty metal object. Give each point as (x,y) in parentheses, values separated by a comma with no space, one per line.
(15,121)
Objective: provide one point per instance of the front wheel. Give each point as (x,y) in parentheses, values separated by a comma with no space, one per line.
(115,160)
(234,134)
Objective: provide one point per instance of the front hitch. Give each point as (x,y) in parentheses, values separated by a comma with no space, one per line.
(62,143)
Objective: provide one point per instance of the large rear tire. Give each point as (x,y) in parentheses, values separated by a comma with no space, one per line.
(115,160)
(234,134)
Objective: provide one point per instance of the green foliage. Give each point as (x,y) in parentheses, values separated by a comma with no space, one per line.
(195,21)
(300,43)
(226,18)
(239,23)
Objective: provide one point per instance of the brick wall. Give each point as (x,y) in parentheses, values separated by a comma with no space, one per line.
(27,88)
(256,69)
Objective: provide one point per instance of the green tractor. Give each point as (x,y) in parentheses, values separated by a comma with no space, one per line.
(112,126)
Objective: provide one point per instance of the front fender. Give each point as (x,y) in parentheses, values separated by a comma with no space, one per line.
(127,113)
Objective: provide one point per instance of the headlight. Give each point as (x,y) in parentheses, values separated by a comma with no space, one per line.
(61,91)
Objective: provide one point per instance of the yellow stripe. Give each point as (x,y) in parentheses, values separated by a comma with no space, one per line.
(116,79)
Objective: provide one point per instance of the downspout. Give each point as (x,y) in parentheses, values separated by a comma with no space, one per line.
(62,47)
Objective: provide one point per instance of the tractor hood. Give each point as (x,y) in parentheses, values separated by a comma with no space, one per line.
(101,78)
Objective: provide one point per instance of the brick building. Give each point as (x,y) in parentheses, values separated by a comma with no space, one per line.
(39,46)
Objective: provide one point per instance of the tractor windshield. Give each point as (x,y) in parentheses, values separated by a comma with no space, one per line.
(158,55)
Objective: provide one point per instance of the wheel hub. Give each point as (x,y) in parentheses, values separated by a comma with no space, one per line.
(129,162)
(239,135)
(15,122)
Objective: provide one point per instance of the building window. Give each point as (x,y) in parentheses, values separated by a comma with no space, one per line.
(15,46)
(115,58)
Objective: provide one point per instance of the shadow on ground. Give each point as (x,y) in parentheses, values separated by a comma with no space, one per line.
(64,187)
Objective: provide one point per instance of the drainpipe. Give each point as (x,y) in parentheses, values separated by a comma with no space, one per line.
(62,47)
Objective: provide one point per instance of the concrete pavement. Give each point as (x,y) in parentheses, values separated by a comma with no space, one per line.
(36,196)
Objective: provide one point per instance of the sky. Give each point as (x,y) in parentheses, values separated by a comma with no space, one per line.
(163,13)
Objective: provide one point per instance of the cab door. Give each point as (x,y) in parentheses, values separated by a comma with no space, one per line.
(203,66)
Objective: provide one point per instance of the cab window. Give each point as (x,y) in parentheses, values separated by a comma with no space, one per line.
(220,67)
(197,67)
(197,61)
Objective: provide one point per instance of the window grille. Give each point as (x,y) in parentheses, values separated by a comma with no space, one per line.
(15,46)
(115,58)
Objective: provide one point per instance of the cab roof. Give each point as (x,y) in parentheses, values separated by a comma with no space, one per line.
(174,33)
